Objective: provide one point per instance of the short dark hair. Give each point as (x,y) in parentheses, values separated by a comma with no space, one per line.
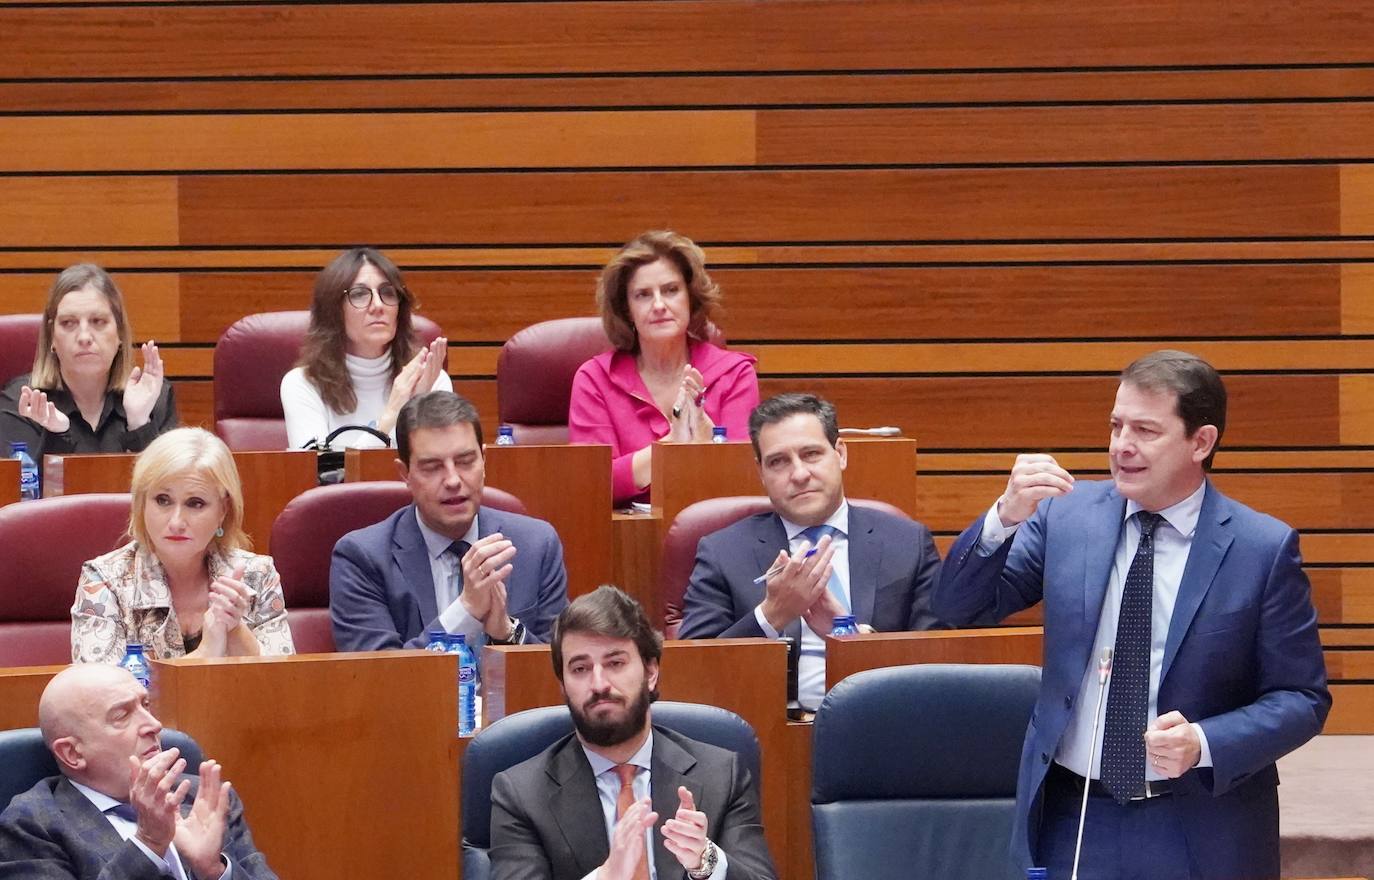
(434,409)
(608,611)
(783,406)
(1201,393)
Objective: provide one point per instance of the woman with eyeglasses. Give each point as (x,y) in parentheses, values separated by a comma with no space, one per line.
(359,362)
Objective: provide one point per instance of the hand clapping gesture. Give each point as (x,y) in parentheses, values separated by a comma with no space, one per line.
(35,406)
(688,419)
(144,387)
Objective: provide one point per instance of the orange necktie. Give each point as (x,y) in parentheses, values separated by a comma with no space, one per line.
(623,802)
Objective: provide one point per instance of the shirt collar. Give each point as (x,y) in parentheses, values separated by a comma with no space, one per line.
(839,520)
(98,799)
(1183,516)
(437,543)
(641,758)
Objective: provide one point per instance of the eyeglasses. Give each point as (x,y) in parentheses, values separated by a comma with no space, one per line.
(360,295)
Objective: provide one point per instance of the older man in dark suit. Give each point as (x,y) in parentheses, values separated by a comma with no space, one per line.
(121,808)
(445,562)
(591,801)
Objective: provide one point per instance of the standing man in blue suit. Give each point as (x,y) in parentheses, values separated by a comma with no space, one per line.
(1217,670)
(445,562)
(879,567)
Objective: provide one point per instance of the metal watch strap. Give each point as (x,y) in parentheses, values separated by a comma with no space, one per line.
(709,857)
(517,634)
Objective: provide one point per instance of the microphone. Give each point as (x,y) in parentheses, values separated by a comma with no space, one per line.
(1104,672)
(885,431)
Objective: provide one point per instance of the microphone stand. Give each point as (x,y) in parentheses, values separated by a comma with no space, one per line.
(1104,672)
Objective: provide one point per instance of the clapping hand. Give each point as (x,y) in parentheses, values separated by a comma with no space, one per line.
(144,387)
(35,406)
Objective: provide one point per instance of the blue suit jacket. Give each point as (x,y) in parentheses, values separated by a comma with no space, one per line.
(381,591)
(893,565)
(52,832)
(1241,657)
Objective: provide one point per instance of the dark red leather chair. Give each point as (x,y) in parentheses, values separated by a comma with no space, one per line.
(534,375)
(18,343)
(695,522)
(42,546)
(306,531)
(250,360)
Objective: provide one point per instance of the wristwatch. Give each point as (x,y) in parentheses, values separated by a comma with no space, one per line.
(709,857)
(517,634)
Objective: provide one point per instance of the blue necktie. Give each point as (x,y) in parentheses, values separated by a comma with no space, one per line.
(1128,699)
(124,811)
(814,535)
(459,549)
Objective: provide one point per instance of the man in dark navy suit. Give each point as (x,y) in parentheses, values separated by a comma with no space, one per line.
(1217,670)
(445,562)
(122,807)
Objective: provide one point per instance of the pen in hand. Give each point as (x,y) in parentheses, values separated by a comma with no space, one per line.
(779,567)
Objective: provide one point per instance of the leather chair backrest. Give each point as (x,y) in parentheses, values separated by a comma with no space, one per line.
(534,375)
(251,358)
(18,344)
(312,523)
(523,735)
(695,522)
(24,760)
(914,771)
(40,569)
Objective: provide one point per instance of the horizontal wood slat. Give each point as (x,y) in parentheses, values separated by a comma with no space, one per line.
(314,39)
(393,140)
(691,90)
(751,206)
(1159,133)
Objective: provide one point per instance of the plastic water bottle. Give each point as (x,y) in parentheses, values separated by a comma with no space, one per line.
(467,685)
(136,664)
(1037,874)
(438,641)
(845,626)
(28,472)
(505,436)
(718,434)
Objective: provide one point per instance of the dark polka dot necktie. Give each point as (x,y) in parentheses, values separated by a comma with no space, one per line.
(1128,698)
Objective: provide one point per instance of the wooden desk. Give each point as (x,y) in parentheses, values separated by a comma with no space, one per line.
(1010,644)
(270,480)
(348,764)
(568,486)
(20,688)
(9,479)
(746,676)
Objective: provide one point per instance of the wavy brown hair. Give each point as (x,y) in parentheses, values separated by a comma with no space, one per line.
(682,252)
(322,351)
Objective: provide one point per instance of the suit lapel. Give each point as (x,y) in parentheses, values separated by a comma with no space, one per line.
(1210,543)
(576,807)
(668,769)
(412,558)
(1100,535)
(770,537)
(865,561)
(95,829)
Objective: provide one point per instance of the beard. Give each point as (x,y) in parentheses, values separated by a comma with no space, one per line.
(610,732)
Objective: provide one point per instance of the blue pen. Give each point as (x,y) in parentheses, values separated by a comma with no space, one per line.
(777,568)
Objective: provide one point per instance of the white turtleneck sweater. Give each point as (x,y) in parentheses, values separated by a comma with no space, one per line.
(309,418)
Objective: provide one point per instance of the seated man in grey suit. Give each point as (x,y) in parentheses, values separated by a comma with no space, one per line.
(445,562)
(587,806)
(756,578)
(121,808)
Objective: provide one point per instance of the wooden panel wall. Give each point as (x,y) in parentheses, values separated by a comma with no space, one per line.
(960,217)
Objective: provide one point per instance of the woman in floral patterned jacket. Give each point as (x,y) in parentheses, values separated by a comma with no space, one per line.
(185,585)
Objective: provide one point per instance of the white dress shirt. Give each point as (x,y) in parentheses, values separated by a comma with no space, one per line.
(1173,538)
(608,790)
(170,865)
(811,662)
